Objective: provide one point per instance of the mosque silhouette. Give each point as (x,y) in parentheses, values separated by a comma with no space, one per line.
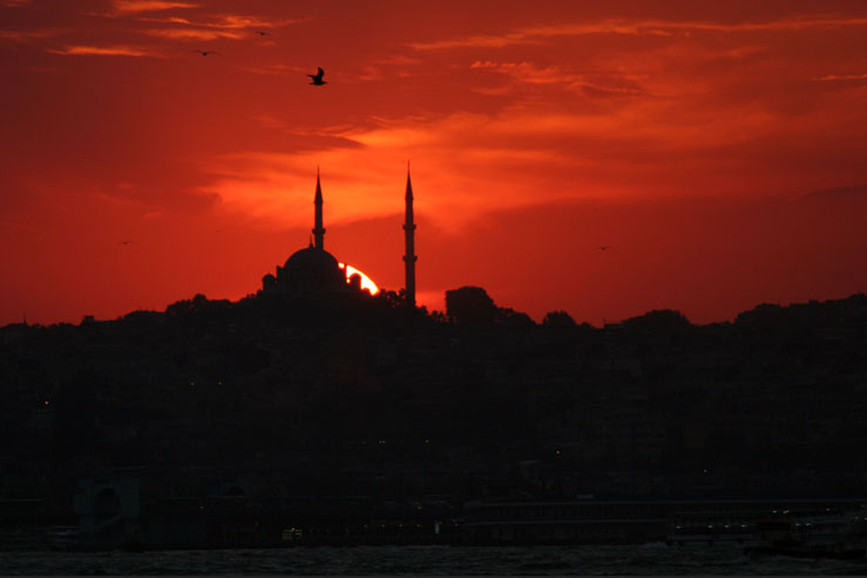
(313,271)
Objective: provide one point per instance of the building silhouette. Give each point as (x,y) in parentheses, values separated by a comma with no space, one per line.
(313,271)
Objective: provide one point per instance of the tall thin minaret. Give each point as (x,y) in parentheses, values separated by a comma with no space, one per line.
(409,236)
(318,228)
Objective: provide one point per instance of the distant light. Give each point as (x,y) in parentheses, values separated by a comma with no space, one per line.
(366,282)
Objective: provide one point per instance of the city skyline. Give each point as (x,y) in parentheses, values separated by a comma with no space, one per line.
(600,160)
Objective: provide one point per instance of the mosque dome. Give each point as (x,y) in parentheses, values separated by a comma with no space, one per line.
(313,265)
(310,257)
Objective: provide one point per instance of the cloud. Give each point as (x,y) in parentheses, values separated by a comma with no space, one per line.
(538,34)
(538,150)
(590,85)
(225,26)
(18,36)
(127,7)
(840,77)
(224,22)
(363,168)
(81,50)
(14,3)
(527,72)
(195,34)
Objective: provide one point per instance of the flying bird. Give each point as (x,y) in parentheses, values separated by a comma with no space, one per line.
(262,33)
(207,52)
(317,78)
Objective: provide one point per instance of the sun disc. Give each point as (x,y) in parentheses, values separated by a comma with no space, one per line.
(366,282)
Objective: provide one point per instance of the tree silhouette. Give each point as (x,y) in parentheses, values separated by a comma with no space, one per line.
(558,320)
(470,305)
(508,317)
(658,320)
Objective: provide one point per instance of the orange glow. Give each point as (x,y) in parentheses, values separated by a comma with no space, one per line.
(366,283)
(151,150)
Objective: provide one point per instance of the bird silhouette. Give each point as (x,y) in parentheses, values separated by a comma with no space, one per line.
(317,78)
(207,52)
(262,33)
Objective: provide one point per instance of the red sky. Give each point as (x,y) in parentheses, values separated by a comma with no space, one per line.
(717,149)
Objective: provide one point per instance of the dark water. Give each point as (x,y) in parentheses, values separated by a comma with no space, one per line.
(647,560)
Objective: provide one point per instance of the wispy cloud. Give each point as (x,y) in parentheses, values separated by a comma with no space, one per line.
(13,3)
(595,85)
(127,7)
(223,21)
(538,34)
(81,50)
(224,26)
(840,77)
(195,34)
(17,36)
(527,72)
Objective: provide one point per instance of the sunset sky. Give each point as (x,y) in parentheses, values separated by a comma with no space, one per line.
(601,158)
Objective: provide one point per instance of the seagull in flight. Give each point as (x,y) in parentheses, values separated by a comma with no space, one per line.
(207,52)
(317,78)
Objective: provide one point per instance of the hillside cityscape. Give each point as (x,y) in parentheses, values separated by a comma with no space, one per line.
(347,403)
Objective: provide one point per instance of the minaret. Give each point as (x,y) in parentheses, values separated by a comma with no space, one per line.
(318,229)
(409,236)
